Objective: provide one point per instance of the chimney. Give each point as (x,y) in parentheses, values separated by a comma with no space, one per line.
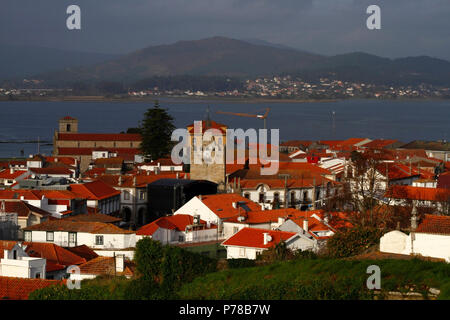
(305,225)
(414,217)
(11,170)
(200,197)
(119,183)
(120,262)
(267,238)
(134,181)
(177,175)
(234,205)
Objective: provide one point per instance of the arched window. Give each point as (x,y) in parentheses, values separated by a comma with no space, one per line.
(247,195)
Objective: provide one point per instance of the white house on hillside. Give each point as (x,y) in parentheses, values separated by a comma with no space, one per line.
(15,262)
(430,239)
(250,242)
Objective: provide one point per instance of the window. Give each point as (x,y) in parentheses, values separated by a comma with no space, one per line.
(180,238)
(68,128)
(99,240)
(38,275)
(141,195)
(261,197)
(247,195)
(126,195)
(27,236)
(50,236)
(15,254)
(72,237)
(293,198)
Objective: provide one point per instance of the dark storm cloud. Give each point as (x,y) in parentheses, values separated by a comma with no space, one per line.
(409,27)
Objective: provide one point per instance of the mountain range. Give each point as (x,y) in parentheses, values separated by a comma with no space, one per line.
(220,56)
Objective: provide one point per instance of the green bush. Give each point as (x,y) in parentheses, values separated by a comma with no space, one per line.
(240,263)
(353,241)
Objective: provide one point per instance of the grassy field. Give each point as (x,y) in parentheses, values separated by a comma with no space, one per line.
(320,279)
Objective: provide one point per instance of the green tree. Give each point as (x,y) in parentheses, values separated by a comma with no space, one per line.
(156,130)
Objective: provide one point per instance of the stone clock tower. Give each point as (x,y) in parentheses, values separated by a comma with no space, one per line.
(199,168)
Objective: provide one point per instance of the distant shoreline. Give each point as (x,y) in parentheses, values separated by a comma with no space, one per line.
(200,99)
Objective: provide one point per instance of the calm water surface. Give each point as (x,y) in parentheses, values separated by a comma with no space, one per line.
(403,120)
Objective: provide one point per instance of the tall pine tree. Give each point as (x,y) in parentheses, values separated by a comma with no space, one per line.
(156,130)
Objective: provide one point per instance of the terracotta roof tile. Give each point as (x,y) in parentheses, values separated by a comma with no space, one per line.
(254,238)
(75,226)
(104,266)
(177,222)
(434,224)
(99,137)
(57,257)
(20,288)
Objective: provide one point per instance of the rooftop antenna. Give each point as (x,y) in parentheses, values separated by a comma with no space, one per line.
(208,117)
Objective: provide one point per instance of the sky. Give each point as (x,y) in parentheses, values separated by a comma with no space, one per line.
(328,27)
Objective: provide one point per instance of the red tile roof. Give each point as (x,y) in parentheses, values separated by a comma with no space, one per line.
(83,251)
(418,193)
(6,245)
(379,144)
(99,137)
(65,160)
(205,126)
(254,238)
(58,194)
(76,226)
(93,217)
(222,204)
(96,190)
(444,180)
(280,183)
(22,208)
(142,180)
(68,118)
(20,288)
(177,222)
(434,224)
(105,266)
(16,194)
(266,216)
(57,257)
(6,174)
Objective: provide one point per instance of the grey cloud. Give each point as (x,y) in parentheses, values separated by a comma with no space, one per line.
(409,27)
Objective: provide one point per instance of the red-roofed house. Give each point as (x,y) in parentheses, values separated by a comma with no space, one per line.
(57,258)
(15,262)
(438,198)
(178,228)
(10,177)
(217,208)
(248,243)
(99,195)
